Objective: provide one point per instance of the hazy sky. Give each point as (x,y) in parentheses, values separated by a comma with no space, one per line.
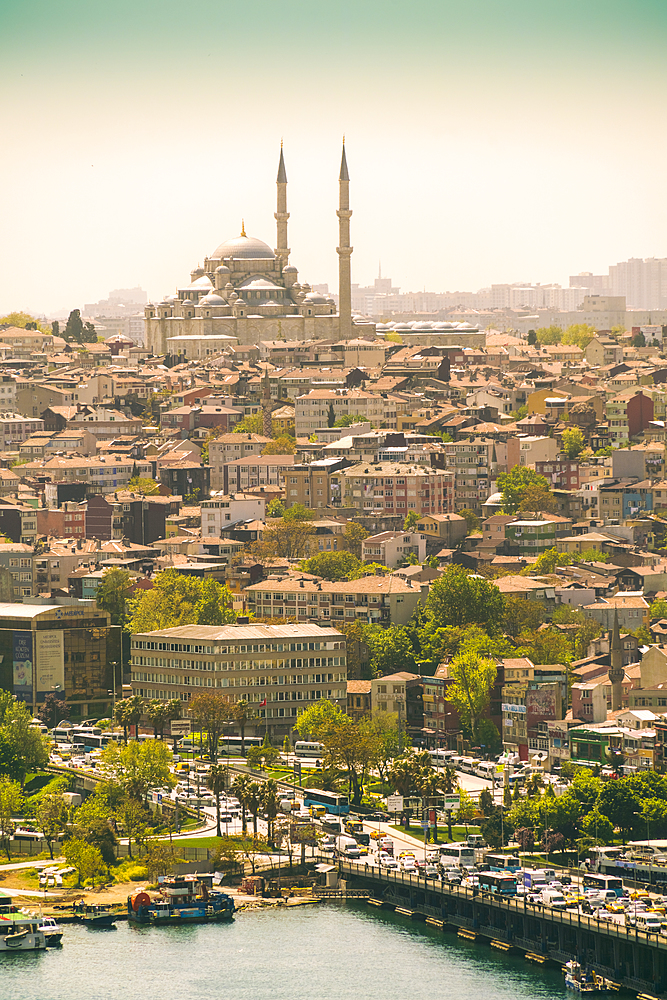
(487,140)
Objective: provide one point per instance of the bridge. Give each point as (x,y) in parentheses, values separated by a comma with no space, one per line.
(633,959)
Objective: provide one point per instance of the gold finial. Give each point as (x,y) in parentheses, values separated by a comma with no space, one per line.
(281,143)
(343,138)
(242,227)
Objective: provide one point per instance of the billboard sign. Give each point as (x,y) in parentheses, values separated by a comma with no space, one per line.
(394,803)
(22,665)
(452,802)
(181,727)
(50,662)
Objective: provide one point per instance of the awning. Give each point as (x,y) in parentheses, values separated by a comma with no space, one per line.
(325,868)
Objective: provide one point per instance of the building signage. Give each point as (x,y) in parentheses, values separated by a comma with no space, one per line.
(22,664)
(181,727)
(452,802)
(395,803)
(514,708)
(50,662)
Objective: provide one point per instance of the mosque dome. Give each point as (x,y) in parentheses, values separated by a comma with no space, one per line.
(187,302)
(244,248)
(316,298)
(222,269)
(212,300)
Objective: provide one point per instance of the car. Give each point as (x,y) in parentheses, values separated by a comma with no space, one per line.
(639,894)
(376,817)
(616,907)
(406,854)
(408,865)
(363,850)
(389,863)
(452,877)
(430,871)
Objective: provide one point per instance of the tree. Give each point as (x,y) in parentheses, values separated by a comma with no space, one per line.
(521,614)
(549,335)
(513,486)
(619,803)
(132,817)
(345,746)
(348,419)
(138,766)
(457,598)
(485,802)
(333,566)
(159,714)
(51,816)
(473,523)
(449,783)
(27,322)
(216,780)
(275,508)
(467,810)
(537,498)
(353,536)
(113,592)
(525,838)
(241,789)
(545,646)
(252,423)
(473,677)
(546,562)
(331,415)
(270,801)
(411,520)
(286,539)
(159,859)
(254,803)
(242,713)
(283,445)
(658,609)
(24,742)
(85,858)
(573,442)
(532,337)
(11,801)
(53,710)
(390,649)
(211,711)
(74,328)
(179,600)
(142,484)
(579,335)
(597,828)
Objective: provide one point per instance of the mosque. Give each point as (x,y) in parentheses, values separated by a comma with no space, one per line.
(247,292)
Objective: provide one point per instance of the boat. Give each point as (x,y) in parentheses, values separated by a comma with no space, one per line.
(181,900)
(19,931)
(581,981)
(94,915)
(53,932)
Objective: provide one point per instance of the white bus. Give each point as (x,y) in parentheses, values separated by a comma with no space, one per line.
(302,748)
(464,855)
(468,764)
(441,758)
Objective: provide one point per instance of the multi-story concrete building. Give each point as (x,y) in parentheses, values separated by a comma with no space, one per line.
(223,510)
(313,409)
(390,547)
(474,467)
(632,610)
(604,350)
(15,429)
(279,669)
(393,488)
(228,448)
(100,475)
(309,485)
(388,694)
(256,470)
(530,538)
(561,473)
(383,600)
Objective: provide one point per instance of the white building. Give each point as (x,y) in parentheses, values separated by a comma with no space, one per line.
(389,547)
(224,510)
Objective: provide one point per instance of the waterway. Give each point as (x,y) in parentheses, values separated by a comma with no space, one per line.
(334,951)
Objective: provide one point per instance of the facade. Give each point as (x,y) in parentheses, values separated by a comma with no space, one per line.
(228,448)
(15,429)
(390,547)
(382,600)
(448,529)
(312,410)
(388,694)
(358,699)
(279,669)
(64,647)
(100,475)
(474,465)
(561,473)
(530,538)
(310,484)
(257,470)
(392,488)
(246,292)
(224,510)
(632,611)
(603,351)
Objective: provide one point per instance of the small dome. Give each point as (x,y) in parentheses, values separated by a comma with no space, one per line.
(197,273)
(212,300)
(290,270)
(315,297)
(244,248)
(222,269)
(187,302)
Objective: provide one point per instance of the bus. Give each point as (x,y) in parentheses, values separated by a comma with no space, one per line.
(498,883)
(337,805)
(441,758)
(603,882)
(461,852)
(502,862)
(302,748)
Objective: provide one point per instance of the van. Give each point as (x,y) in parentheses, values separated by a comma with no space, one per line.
(386,844)
(182,768)
(348,847)
(553,898)
(650,923)
(533,879)
(475,840)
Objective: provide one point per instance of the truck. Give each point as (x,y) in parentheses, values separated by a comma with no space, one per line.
(534,879)
(353,827)
(348,847)
(386,844)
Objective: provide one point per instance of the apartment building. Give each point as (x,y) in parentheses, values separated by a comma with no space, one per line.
(256,470)
(561,473)
(530,538)
(393,487)
(15,429)
(312,410)
(222,511)
(473,465)
(229,447)
(310,484)
(383,600)
(603,351)
(390,547)
(100,475)
(279,669)
(388,694)
(632,611)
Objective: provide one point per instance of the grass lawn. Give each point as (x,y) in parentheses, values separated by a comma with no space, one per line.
(179,842)
(458,832)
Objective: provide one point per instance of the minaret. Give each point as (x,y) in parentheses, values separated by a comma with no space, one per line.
(282,215)
(616,671)
(344,251)
(266,404)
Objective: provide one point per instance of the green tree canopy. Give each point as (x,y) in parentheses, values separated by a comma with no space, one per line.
(180,600)
(334,566)
(473,677)
(138,766)
(513,486)
(142,484)
(113,593)
(579,335)
(573,442)
(275,508)
(457,598)
(353,536)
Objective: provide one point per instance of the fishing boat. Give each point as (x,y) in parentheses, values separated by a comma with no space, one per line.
(581,981)
(94,915)
(53,932)
(181,900)
(19,931)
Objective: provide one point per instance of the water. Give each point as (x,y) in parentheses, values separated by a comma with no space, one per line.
(334,951)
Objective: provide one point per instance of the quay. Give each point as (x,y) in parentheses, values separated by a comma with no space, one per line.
(632,959)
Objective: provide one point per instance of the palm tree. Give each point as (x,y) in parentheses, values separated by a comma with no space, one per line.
(120,717)
(135,709)
(240,788)
(449,783)
(242,713)
(428,783)
(215,780)
(402,776)
(254,802)
(270,799)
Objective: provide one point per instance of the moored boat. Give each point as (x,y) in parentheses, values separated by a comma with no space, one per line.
(182,900)
(94,915)
(19,931)
(581,981)
(52,931)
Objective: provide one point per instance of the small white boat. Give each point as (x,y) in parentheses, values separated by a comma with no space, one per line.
(581,981)
(52,931)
